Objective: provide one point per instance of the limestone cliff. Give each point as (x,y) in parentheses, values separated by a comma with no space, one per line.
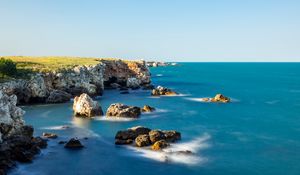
(92,80)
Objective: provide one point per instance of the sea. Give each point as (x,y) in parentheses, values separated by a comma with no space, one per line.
(258,132)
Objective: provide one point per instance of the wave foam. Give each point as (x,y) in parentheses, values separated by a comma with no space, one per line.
(114,119)
(59,127)
(175,153)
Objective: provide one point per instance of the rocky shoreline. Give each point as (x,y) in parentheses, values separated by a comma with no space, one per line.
(16,138)
(61,86)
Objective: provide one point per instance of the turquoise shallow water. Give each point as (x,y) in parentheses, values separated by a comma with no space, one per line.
(258,133)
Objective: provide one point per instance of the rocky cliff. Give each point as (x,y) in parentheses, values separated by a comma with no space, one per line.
(16,139)
(59,86)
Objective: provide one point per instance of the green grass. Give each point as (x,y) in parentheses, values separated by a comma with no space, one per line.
(46,64)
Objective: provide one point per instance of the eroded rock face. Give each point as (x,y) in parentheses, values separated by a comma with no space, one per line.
(121,110)
(131,74)
(159,90)
(85,106)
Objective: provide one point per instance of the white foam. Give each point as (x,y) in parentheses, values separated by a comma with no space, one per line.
(272,102)
(59,127)
(114,119)
(159,75)
(203,99)
(172,155)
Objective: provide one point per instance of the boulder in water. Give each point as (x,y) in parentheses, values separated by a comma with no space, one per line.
(143,140)
(147,108)
(156,135)
(121,110)
(159,145)
(172,136)
(127,136)
(86,107)
(73,144)
(159,90)
(220,98)
(49,135)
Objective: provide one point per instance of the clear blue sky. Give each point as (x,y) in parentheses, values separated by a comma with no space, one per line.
(185,30)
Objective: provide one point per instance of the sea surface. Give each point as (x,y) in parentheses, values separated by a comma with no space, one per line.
(258,133)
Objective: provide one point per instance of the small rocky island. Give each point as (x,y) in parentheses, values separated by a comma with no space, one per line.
(142,137)
(159,90)
(218,98)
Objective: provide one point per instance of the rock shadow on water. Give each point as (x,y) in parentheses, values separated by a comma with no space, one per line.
(186,153)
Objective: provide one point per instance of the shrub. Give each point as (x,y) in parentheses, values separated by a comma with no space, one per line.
(8,67)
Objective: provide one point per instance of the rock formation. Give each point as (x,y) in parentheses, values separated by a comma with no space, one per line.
(142,137)
(159,145)
(147,108)
(73,144)
(16,139)
(159,90)
(58,96)
(220,98)
(85,106)
(121,110)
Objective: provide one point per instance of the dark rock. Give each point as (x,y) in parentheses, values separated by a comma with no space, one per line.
(124,92)
(73,144)
(127,136)
(62,142)
(58,96)
(172,136)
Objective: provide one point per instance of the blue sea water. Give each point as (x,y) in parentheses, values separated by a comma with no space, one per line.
(258,133)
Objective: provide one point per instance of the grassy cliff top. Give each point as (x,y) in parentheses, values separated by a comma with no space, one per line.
(45,64)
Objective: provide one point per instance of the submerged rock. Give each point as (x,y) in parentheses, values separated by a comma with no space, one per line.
(73,144)
(86,107)
(147,108)
(121,110)
(220,98)
(159,90)
(143,140)
(159,145)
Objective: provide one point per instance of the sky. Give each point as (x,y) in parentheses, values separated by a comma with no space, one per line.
(166,30)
